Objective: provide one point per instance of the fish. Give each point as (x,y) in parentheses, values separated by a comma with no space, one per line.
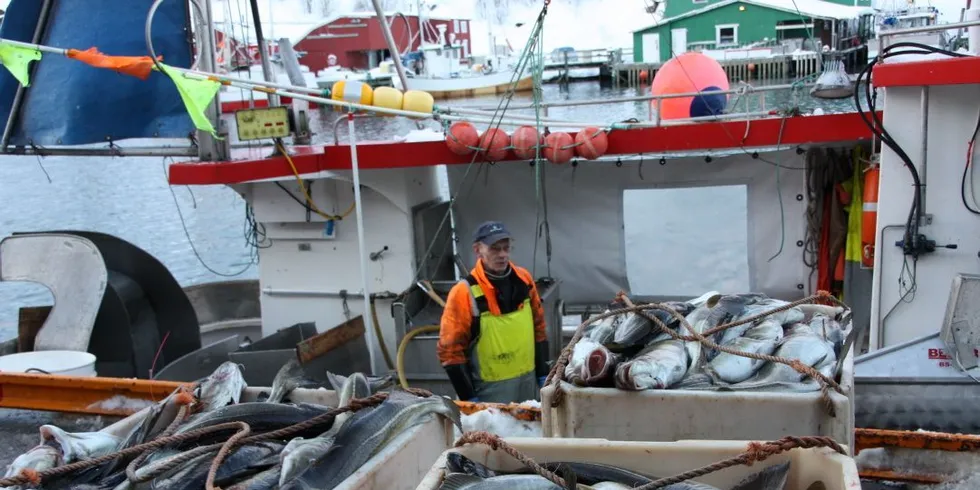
(599,366)
(829,311)
(41,457)
(79,446)
(771,478)
(223,387)
(658,366)
(462,481)
(586,473)
(374,383)
(263,480)
(603,330)
(576,364)
(800,342)
(260,416)
(241,462)
(289,377)
(791,315)
(760,339)
(366,433)
(634,328)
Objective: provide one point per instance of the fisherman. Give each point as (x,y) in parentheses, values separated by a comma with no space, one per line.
(492,341)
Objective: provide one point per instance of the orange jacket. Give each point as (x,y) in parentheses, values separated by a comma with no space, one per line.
(457,318)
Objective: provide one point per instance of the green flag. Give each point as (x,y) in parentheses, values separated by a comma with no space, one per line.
(196,94)
(17,59)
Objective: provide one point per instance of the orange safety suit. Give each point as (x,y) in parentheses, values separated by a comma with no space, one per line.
(493,341)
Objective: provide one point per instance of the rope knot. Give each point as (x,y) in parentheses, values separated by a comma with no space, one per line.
(823,294)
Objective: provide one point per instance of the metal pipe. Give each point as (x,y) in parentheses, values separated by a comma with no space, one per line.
(879,338)
(42,19)
(148,151)
(940,27)
(263,53)
(395,57)
(325,294)
(336,126)
(924,107)
(361,245)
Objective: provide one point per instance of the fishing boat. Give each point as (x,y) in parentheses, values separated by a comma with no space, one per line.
(357,248)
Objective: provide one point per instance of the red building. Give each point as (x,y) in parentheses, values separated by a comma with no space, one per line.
(359,43)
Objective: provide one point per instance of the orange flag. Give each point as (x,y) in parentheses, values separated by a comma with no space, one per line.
(137,66)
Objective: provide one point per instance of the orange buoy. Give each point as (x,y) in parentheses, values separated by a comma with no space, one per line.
(524,140)
(558,147)
(591,143)
(869,215)
(687,73)
(644,76)
(495,142)
(462,138)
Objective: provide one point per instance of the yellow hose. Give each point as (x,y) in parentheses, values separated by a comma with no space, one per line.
(404,344)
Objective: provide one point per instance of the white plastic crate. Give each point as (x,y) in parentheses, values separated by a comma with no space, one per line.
(665,459)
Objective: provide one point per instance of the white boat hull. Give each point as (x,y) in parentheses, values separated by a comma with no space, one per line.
(490,84)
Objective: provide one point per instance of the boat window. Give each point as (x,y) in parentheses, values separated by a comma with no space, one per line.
(686,241)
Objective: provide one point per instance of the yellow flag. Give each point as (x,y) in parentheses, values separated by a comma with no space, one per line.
(196,94)
(17,59)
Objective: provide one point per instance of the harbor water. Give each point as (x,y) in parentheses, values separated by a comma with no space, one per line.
(200,232)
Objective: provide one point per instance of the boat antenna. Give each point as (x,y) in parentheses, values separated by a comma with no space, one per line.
(263,52)
(390,40)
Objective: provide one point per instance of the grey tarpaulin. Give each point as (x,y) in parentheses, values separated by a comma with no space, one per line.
(585,211)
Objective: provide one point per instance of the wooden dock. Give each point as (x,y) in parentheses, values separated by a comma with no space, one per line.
(777,67)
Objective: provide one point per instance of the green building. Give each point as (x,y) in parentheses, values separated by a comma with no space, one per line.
(779,26)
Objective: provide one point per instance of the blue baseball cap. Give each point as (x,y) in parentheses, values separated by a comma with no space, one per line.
(490,232)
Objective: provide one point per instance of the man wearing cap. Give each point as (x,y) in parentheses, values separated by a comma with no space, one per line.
(492,340)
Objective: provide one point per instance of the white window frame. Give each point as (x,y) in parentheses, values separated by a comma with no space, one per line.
(463,26)
(718,29)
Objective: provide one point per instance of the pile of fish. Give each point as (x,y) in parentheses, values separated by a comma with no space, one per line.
(319,457)
(463,473)
(629,352)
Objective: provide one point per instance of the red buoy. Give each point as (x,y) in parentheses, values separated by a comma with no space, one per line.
(592,143)
(495,142)
(524,140)
(557,148)
(462,138)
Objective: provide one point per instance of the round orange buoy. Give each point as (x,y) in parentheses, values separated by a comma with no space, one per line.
(751,66)
(869,215)
(591,143)
(495,142)
(685,73)
(557,147)
(462,138)
(524,140)
(644,76)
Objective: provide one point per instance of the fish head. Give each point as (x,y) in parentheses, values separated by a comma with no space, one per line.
(223,387)
(76,446)
(40,458)
(639,376)
(457,463)
(597,365)
(336,381)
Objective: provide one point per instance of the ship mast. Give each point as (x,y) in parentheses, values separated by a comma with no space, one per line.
(395,57)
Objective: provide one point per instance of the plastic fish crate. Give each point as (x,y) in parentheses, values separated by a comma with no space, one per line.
(663,459)
(672,415)
(403,463)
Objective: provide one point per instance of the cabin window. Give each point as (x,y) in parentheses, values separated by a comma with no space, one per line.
(455,25)
(686,241)
(726,34)
(463,26)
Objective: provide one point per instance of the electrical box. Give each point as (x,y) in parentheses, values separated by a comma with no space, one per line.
(266,123)
(961,327)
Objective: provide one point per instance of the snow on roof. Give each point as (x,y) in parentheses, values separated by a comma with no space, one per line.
(819,9)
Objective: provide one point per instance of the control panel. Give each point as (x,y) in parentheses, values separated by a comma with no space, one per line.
(265,123)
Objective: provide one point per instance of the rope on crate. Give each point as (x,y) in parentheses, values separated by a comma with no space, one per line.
(32,477)
(557,373)
(756,451)
(495,442)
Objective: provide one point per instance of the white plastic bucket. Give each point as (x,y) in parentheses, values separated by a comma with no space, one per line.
(63,362)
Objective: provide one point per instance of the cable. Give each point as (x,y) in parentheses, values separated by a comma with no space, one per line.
(311,206)
(968,166)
